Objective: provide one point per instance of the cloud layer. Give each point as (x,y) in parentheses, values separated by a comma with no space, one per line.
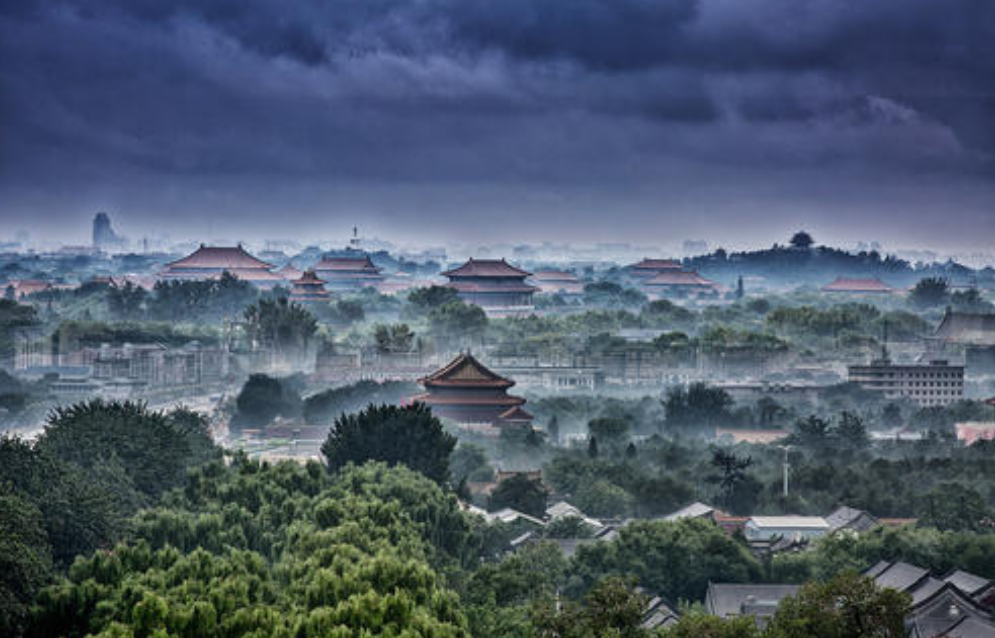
(435,116)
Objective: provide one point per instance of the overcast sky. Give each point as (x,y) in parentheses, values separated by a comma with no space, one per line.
(475,120)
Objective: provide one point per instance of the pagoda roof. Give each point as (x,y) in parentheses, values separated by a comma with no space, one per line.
(679,278)
(229,258)
(486,268)
(517,413)
(465,371)
(309,277)
(851,284)
(347,263)
(656,264)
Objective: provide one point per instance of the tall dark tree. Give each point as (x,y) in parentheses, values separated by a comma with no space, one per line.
(802,240)
(280,324)
(25,562)
(522,493)
(930,292)
(731,473)
(408,435)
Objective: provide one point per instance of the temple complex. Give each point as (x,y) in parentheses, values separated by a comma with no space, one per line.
(348,273)
(473,396)
(210,262)
(494,285)
(308,288)
(289,272)
(558,282)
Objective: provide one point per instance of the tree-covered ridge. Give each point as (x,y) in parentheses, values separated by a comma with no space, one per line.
(274,550)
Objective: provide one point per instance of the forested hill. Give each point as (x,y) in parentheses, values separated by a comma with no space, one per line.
(819,265)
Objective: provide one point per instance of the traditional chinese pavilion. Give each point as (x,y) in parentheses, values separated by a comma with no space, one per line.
(348,273)
(558,281)
(649,268)
(494,285)
(210,262)
(309,289)
(290,273)
(472,395)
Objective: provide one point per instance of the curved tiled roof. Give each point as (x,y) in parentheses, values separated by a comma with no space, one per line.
(486,268)
(679,278)
(360,264)
(465,371)
(221,258)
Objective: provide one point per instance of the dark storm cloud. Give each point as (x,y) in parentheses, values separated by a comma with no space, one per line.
(581,101)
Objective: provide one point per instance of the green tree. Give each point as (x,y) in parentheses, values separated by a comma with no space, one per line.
(410,435)
(951,506)
(431,297)
(611,608)
(393,339)
(154,449)
(262,399)
(25,562)
(521,493)
(930,292)
(731,474)
(610,430)
(280,324)
(469,462)
(802,240)
(848,606)
(673,559)
(698,624)
(457,323)
(697,405)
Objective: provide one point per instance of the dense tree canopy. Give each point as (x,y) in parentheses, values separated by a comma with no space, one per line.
(410,435)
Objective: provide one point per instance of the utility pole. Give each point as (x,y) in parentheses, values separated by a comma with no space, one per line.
(786,466)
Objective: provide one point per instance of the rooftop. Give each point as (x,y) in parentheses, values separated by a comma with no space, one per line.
(850,284)
(219,258)
(486,268)
(792,522)
(465,371)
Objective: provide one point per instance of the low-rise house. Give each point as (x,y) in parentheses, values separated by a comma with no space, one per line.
(940,608)
(848,518)
(796,528)
(730,600)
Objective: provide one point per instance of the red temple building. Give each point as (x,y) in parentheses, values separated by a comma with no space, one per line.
(309,289)
(649,268)
(348,273)
(494,285)
(210,262)
(473,396)
(289,273)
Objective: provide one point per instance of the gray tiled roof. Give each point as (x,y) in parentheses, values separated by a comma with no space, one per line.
(725,599)
(967,582)
(901,576)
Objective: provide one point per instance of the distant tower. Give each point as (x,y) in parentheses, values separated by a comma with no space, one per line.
(739,287)
(354,242)
(104,236)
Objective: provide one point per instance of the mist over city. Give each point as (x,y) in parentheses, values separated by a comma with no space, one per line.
(518,319)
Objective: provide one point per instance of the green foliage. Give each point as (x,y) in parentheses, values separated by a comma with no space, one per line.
(613,431)
(25,564)
(280,324)
(611,295)
(324,407)
(285,550)
(849,606)
(207,301)
(427,299)
(154,449)
(675,560)
(457,323)
(262,399)
(521,493)
(469,462)
(12,317)
(611,608)
(698,624)
(394,339)
(697,405)
(604,499)
(409,435)
(930,292)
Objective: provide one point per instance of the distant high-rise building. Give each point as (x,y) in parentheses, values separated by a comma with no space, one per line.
(104,237)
